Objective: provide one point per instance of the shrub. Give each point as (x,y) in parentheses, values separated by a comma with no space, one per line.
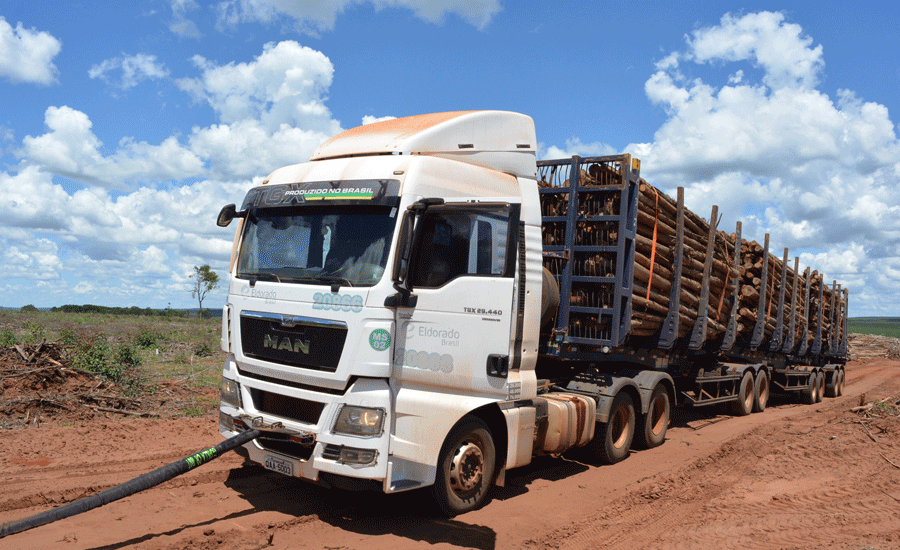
(146,339)
(8,338)
(35,332)
(202,350)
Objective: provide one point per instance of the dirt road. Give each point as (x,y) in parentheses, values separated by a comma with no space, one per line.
(793,477)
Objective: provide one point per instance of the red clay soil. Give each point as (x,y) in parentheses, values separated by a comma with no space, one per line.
(792,477)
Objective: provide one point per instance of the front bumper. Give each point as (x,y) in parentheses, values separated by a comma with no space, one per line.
(304,445)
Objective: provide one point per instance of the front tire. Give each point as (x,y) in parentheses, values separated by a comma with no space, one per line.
(613,439)
(656,421)
(466,468)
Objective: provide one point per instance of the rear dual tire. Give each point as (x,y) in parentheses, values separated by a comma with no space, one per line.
(613,439)
(655,423)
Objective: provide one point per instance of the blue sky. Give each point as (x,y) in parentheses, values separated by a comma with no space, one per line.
(124,127)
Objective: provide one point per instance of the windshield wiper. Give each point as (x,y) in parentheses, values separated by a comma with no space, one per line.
(261,277)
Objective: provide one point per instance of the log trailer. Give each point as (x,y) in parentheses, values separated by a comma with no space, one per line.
(425,304)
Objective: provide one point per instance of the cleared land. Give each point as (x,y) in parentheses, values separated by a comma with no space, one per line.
(794,477)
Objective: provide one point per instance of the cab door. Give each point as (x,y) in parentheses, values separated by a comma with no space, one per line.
(457,336)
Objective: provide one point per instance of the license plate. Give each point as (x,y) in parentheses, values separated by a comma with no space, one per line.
(279,465)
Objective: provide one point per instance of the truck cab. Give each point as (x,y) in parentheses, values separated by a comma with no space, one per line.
(375,320)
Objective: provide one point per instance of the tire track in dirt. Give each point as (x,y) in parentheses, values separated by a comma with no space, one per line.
(780,479)
(764,488)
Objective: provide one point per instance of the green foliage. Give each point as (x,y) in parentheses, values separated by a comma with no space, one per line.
(93,354)
(146,339)
(203,350)
(883,326)
(35,332)
(8,338)
(28,309)
(205,280)
(67,338)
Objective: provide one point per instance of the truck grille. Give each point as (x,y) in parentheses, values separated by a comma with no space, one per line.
(301,342)
(288,407)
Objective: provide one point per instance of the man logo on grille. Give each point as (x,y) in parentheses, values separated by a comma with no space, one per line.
(286,344)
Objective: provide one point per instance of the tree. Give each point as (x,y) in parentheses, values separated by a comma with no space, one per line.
(205,280)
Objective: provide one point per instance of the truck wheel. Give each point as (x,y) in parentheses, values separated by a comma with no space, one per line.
(656,421)
(613,439)
(466,468)
(840,384)
(820,386)
(831,383)
(808,395)
(761,391)
(746,396)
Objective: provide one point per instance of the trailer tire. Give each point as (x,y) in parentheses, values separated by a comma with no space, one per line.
(656,422)
(614,437)
(761,391)
(808,395)
(831,385)
(820,386)
(839,387)
(746,395)
(466,467)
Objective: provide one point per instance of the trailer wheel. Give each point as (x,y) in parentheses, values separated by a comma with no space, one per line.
(840,385)
(466,468)
(613,439)
(761,391)
(656,421)
(820,386)
(746,396)
(808,395)
(831,384)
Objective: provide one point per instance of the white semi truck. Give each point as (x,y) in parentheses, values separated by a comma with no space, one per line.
(405,311)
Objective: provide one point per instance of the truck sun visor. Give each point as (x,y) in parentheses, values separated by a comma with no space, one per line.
(295,194)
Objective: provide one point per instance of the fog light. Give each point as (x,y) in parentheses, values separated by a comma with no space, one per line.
(226,422)
(351,455)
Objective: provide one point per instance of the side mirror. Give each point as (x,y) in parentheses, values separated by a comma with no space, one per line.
(404,296)
(228,213)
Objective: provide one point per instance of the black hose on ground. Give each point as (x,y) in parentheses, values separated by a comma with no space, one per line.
(128,488)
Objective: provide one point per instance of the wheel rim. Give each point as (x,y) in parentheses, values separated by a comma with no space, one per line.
(466,467)
(619,427)
(658,415)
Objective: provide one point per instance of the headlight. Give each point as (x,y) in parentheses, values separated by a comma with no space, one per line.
(360,421)
(230,392)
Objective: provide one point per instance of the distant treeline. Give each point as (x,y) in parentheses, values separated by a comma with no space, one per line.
(134,310)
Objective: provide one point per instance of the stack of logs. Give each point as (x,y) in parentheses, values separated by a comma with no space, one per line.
(654,268)
(654,255)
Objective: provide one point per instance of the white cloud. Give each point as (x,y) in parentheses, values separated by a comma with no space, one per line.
(369,119)
(767,41)
(574,146)
(26,55)
(108,248)
(312,17)
(180,24)
(818,173)
(135,68)
(72,150)
(286,83)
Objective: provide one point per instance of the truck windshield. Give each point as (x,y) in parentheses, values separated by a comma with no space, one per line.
(348,245)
